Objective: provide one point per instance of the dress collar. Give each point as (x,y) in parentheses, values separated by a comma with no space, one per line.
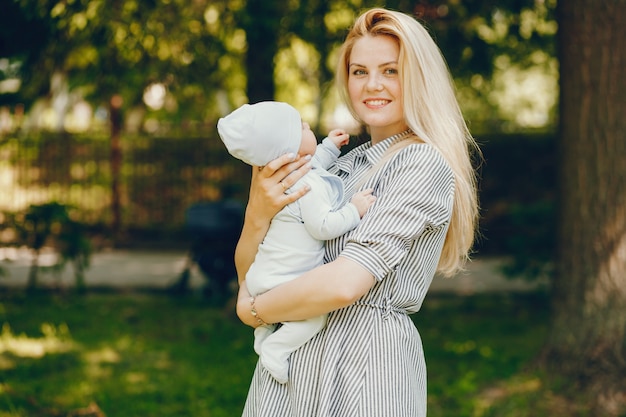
(372,153)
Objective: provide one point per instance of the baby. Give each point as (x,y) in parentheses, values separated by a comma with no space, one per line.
(294,244)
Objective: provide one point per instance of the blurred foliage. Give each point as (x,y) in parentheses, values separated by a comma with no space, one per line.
(517,188)
(212,55)
(532,245)
(51,224)
(121,47)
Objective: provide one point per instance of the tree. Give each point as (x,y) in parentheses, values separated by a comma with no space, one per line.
(104,49)
(308,23)
(212,54)
(262,23)
(587,343)
(52,224)
(23,36)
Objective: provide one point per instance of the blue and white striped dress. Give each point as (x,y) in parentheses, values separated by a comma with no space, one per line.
(369,361)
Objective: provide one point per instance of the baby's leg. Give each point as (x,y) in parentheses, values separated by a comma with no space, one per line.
(260,334)
(277,347)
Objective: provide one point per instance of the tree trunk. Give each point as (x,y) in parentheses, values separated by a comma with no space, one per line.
(33,272)
(262,26)
(587,341)
(116,163)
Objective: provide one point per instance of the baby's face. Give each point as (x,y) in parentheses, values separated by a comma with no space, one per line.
(309,142)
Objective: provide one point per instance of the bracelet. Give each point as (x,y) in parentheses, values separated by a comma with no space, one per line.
(254,312)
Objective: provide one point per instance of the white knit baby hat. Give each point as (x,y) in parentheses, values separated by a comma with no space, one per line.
(258,133)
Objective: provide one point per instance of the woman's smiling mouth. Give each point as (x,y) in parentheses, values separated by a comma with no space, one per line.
(376,102)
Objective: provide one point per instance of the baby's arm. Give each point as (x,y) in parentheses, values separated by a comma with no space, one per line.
(324,223)
(339,137)
(328,151)
(362,201)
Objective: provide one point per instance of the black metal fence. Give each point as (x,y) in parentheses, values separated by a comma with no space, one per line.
(159,176)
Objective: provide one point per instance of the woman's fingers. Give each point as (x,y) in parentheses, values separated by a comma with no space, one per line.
(295,170)
(269,184)
(293,196)
(278,163)
(283,172)
(288,168)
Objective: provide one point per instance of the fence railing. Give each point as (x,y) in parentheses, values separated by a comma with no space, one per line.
(159,178)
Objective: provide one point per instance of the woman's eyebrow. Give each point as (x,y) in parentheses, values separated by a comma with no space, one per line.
(384,64)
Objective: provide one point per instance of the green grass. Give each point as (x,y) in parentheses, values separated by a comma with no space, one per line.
(151,355)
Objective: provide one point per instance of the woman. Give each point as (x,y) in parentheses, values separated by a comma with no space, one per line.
(368,360)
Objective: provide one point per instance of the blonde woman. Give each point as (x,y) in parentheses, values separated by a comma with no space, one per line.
(368,360)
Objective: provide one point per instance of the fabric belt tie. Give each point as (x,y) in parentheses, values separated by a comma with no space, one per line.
(386,308)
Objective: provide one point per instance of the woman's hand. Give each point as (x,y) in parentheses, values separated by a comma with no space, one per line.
(269,183)
(267,197)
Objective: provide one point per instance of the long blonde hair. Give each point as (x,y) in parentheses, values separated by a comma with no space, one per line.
(433,114)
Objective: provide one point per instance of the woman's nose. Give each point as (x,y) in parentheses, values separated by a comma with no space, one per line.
(373,82)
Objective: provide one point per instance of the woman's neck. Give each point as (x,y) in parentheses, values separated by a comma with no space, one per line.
(380,134)
(378,137)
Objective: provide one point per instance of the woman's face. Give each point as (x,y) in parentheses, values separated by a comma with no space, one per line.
(374,85)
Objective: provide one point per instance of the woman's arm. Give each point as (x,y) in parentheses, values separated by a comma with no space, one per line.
(267,197)
(326,288)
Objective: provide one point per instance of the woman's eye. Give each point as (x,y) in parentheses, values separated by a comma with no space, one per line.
(391,71)
(358,72)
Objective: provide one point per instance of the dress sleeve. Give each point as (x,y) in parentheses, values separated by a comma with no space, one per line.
(414,193)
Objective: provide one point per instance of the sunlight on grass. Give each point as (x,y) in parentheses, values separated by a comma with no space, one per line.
(96,362)
(515,386)
(104,355)
(55,339)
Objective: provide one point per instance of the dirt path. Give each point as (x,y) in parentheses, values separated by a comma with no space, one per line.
(158,269)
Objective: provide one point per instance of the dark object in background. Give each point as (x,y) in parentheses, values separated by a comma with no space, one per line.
(214,228)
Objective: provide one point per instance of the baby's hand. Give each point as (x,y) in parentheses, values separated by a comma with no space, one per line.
(339,137)
(363,200)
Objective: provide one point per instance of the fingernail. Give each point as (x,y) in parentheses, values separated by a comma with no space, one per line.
(307,157)
(291,155)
